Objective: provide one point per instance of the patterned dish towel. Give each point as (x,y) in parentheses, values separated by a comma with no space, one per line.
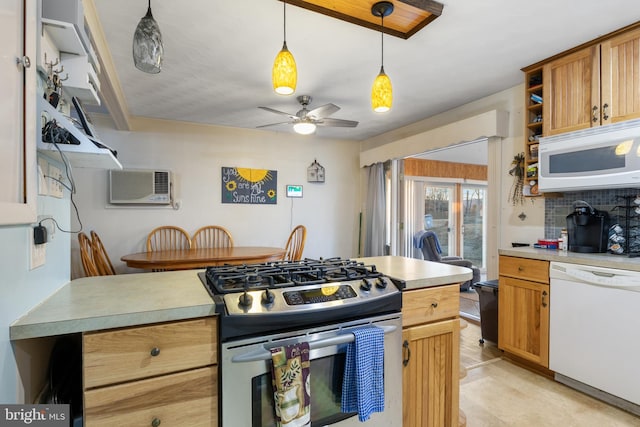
(290,378)
(363,383)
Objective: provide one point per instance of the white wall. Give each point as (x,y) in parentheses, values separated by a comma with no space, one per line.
(196,154)
(22,288)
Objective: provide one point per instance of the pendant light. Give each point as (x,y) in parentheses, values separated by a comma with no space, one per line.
(148,50)
(381,92)
(284,74)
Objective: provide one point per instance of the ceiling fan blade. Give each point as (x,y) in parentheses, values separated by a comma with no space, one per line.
(337,123)
(291,116)
(323,111)
(274,124)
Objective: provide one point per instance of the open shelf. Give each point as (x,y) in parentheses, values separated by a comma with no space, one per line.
(84,155)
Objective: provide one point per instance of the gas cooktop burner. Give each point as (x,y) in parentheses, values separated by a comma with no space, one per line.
(257,298)
(281,274)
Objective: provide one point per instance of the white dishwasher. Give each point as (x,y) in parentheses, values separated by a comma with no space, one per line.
(594,331)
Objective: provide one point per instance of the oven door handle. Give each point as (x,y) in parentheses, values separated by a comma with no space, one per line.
(264,354)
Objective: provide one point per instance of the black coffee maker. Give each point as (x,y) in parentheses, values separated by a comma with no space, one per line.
(587,228)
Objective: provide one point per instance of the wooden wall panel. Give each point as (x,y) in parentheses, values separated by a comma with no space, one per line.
(439,169)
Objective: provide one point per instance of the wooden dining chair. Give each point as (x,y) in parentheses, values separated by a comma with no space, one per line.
(100,256)
(295,244)
(212,236)
(168,237)
(86,256)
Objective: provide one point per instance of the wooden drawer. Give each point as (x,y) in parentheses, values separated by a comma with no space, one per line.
(430,304)
(186,398)
(126,354)
(524,268)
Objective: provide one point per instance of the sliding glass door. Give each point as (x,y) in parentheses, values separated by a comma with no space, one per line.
(439,214)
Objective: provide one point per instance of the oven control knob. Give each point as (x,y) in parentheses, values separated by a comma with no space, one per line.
(268,297)
(365,285)
(245,299)
(381,283)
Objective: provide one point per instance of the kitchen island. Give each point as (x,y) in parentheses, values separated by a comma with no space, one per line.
(119,318)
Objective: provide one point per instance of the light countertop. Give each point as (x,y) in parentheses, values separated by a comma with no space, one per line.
(96,303)
(597,260)
(418,273)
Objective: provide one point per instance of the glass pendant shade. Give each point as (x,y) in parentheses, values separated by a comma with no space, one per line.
(284,73)
(148,50)
(304,127)
(381,93)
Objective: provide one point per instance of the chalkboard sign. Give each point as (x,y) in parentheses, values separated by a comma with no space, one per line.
(249,186)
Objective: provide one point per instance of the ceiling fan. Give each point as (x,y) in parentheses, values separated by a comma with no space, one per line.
(305,121)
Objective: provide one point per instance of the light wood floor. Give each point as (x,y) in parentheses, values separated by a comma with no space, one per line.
(497,393)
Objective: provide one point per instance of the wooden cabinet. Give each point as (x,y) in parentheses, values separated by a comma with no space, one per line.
(571,88)
(593,86)
(163,373)
(620,77)
(431,356)
(523,314)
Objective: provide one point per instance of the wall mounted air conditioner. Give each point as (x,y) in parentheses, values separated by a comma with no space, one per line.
(139,187)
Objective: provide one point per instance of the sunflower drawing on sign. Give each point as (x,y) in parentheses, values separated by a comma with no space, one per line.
(249,186)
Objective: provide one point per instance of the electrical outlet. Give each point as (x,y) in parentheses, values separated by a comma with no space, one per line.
(38,252)
(55,184)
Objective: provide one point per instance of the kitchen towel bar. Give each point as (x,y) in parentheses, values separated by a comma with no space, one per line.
(265,354)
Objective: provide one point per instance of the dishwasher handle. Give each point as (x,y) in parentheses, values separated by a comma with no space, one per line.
(265,354)
(603,277)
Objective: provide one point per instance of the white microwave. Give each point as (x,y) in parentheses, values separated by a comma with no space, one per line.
(597,158)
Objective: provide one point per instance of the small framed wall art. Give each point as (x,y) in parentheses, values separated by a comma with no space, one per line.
(315,172)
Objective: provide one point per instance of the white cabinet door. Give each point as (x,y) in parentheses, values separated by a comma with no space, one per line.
(17,112)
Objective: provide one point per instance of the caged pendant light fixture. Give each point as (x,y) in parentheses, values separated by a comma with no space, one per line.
(381,92)
(284,73)
(148,49)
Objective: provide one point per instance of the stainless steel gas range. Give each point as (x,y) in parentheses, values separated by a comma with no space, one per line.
(264,306)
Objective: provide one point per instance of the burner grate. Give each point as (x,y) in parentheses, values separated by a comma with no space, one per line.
(228,278)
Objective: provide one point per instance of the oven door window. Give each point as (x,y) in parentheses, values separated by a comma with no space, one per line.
(326,394)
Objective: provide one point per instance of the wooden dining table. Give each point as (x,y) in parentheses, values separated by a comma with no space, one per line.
(181,259)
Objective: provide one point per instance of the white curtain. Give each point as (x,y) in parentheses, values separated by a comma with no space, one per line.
(374,244)
(412,216)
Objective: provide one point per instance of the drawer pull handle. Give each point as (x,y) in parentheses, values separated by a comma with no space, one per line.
(156,422)
(520,268)
(407,350)
(154,352)
(434,304)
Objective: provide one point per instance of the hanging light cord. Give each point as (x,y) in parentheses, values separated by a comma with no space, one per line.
(284,13)
(381,42)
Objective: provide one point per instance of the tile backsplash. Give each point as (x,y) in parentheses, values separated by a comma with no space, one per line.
(557,208)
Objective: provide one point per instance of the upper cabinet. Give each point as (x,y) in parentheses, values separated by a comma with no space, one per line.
(17,142)
(593,86)
(571,90)
(620,77)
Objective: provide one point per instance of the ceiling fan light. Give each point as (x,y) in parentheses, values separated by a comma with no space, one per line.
(304,128)
(148,49)
(381,93)
(284,73)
